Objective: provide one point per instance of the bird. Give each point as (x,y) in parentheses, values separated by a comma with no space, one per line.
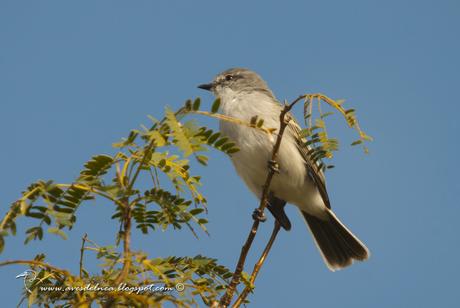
(28,276)
(298,181)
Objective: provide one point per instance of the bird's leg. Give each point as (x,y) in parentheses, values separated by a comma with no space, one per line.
(273,166)
(259,215)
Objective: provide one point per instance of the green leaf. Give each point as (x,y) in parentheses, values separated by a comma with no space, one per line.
(96,167)
(202,221)
(188,105)
(196,211)
(127,141)
(207,134)
(117,215)
(349,111)
(47,220)
(260,123)
(180,139)
(35,215)
(215,105)
(157,137)
(34,233)
(227,146)
(356,142)
(62,209)
(202,159)
(232,150)
(221,141)
(71,199)
(213,138)
(29,238)
(196,104)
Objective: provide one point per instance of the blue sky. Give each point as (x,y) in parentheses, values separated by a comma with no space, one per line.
(76,76)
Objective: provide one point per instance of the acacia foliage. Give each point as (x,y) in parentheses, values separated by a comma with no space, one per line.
(162,154)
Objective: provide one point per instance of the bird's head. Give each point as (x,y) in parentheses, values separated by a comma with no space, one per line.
(236,80)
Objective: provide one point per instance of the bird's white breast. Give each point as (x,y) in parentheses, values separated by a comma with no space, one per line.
(256,146)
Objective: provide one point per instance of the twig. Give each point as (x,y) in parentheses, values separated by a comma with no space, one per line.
(227,298)
(233,120)
(126,258)
(127,207)
(258,266)
(37,263)
(126,244)
(82,251)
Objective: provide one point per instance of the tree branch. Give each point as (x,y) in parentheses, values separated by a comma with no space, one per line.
(227,298)
(82,251)
(258,266)
(127,217)
(126,243)
(37,263)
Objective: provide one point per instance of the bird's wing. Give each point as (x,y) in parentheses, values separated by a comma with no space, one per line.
(314,171)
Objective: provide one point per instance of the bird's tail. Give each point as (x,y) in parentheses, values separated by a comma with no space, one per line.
(338,246)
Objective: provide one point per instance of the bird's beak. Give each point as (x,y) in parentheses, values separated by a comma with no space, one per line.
(206,86)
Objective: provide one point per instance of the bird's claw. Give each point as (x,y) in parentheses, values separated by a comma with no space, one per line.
(259,215)
(273,166)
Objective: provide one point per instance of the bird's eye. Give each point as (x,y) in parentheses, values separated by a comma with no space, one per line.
(228,77)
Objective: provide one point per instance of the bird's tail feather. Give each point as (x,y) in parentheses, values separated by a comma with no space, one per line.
(338,246)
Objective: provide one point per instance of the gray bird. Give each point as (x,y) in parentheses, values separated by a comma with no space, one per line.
(245,94)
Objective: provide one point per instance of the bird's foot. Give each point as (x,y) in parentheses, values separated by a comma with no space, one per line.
(273,166)
(259,215)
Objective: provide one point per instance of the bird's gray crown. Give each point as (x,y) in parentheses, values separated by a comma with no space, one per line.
(241,79)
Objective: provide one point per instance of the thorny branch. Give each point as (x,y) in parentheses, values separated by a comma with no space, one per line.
(227,298)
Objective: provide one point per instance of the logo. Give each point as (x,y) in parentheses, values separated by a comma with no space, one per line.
(28,278)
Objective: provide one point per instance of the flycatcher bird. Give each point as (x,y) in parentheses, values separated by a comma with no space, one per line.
(299,181)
